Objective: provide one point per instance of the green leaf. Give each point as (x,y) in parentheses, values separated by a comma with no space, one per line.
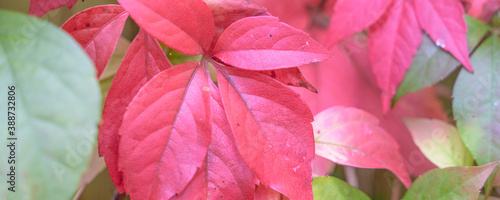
(334,188)
(476,103)
(439,142)
(432,64)
(57,108)
(450,183)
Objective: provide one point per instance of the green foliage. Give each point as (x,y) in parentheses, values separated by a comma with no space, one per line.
(432,64)
(57,107)
(476,104)
(334,188)
(439,141)
(450,183)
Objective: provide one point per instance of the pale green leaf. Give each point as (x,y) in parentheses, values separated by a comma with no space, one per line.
(476,103)
(439,142)
(57,108)
(333,188)
(450,183)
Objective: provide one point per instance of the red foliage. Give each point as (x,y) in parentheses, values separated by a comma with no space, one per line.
(171,132)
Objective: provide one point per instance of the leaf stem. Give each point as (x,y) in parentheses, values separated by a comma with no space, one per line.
(396,190)
(351,176)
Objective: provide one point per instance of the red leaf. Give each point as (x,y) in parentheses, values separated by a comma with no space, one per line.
(393,42)
(443,21)
(292,12)
(266,193)
(98,29)
(349,136)
(483,9)
(226,12)
(272,128)
(225,173)
(350,16)
(290,76)
(264,43)
(143,60)
(339,82)
(165,133)
(184,25)
(41,7)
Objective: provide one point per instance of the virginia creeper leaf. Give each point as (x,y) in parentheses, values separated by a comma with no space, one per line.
(293,12)
(492,181)
(273,132)
(290,76)
(143,60)
(266,193)
(439,141)
(450,183)
(264,43)
(56,108)
(225,173)
(350,136)
(421,104)
(184,25)
(361,14)
(41,7)
(431,64)
(165,133)
(476,103)
(98,29)
(483,9)
(226,12)
(340,82)
(392,44)
(96,166)
(116,60)
(443,21)
(334,188)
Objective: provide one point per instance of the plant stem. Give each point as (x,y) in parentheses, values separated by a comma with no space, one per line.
(351,176)
(396,189)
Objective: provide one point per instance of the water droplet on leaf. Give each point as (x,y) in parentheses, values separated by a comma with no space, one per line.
(440,43)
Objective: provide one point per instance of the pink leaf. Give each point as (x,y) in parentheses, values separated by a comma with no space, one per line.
(339,82)
(263,43)
(98,29)
(483,9)
(393,43)
(41,7)
(273,132)
(266,193)
(292,12)
(226,12)
(425,104)
(351,16)
(184,25)
(165,133)
(225,173)
(349,136)
(143,60)
(290,76)
(443,21)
